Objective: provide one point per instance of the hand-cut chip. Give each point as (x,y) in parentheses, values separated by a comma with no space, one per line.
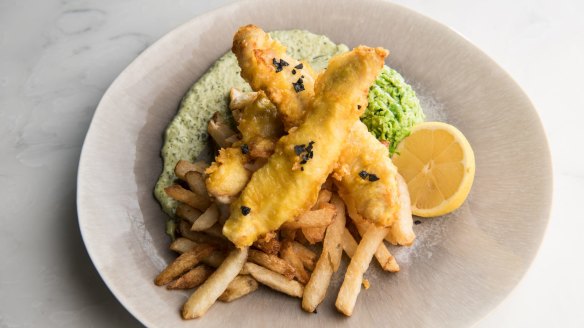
(182,245)
(271,262)
(307,256)
(239,287)
(197,183)
(227,176)
(202,299)
(317,218)
(207,219)
(314,235)
(324,196)
(183,263)
(188,213)
(382,254)
(304,158)
(368,177)
(359,263)
(191,279)
(188,197)
(218,128)
(199,237)
(183,167)
(349,243)
(401,231)
(275,280)
(268,243)
(329,260)
(288,254)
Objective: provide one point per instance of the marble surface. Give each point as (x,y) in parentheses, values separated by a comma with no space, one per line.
(58,57)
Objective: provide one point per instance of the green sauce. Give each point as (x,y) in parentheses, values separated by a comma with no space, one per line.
(186,135)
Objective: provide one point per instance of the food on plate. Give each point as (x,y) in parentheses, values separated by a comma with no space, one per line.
(288,184)
(438,165)
(202,299)
(393,108)
(296,178)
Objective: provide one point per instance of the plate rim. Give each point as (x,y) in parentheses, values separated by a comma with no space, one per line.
(82,221)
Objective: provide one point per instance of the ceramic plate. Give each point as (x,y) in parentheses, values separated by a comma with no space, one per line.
(460,267)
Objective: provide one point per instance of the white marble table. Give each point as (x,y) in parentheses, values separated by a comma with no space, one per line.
(58,57)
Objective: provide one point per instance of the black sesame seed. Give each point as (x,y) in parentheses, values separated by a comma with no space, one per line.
(373,177)
(298,85)
(245,210)
(302,76)
(417,222)
(279,65)
(299,66)
(293,72)
(283,62)
(363,174)
(358,106)
(245,149)
(298,149)
(301,169)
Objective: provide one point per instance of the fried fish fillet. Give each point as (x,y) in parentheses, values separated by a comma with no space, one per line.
(375,200)
(289,183)
(367,177)
(260,127)
(266,66)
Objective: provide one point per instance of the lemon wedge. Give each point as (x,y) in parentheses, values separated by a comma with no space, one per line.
(438,165)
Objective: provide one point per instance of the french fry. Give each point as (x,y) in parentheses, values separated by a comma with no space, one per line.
(324,196)
(182,245)
(307,256)
(207,219)
(351,286)
(269,243)
(191,279)
(202,299)
(183,167)
(288,254)
(239,287)
(349,244)
(401,231)
(288,234)
(216,231)
(271,262)
(382,254)
(215,259)
(196,183)
(219,130)
(188,197)
(188,213)
(184,228)
(274,280)
(318,218)
(314,235)
(183,263)
(328,262)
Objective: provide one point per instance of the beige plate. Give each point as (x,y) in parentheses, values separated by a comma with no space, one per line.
(461,265)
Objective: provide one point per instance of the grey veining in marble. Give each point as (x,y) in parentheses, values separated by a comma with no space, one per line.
(58,57)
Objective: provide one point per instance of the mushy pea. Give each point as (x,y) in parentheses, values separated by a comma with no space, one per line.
(392,111)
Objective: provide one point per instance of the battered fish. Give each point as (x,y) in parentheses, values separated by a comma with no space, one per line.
(266,66)
(376,197)
(288,184)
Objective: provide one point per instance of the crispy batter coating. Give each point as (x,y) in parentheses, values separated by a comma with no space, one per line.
(227,176)
(278,191)
(260,126)
(367,177)
(265,66)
